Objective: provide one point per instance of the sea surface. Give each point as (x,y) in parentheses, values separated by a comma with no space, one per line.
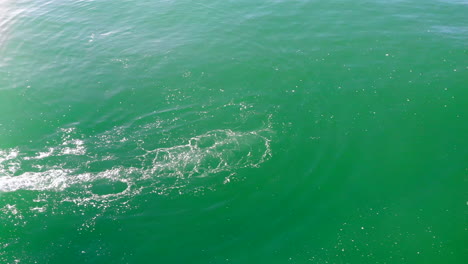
(237,131)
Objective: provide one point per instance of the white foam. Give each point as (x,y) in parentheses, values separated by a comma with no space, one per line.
(9,161)
(42,155)
(47,180)
(73,147)
(217,153)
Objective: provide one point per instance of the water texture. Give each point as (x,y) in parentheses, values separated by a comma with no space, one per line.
(247,131)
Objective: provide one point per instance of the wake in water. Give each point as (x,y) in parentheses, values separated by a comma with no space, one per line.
(87,169)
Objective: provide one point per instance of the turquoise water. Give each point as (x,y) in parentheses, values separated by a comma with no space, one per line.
(241,131)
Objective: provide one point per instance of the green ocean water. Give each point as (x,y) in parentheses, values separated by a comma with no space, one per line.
(248,131)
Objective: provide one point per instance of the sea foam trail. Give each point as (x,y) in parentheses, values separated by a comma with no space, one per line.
(215,155)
